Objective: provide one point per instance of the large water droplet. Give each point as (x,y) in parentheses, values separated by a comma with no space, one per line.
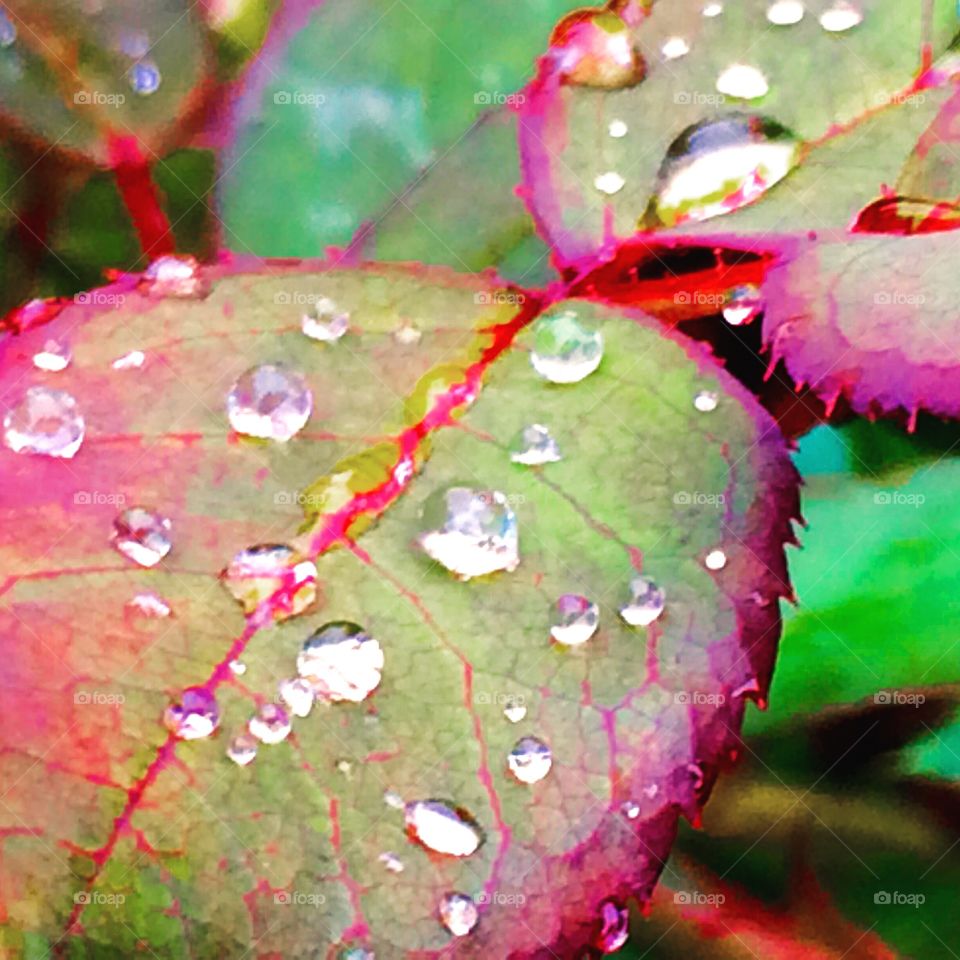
(325,321)
(45,422)
(341,661)
(576,620)
(743,82)
(443,827)
(514,709)
(391,861)
(298,695)
(150,605)
(195,716)
(564,351)
(470,532)
(458,913)
(271,402)
(841,17)
(706,401)
(270,724)
(257,573)
(646,602)
(785,13)
(614,927)
(172,276)
(743,305)
(8,30)
(54,357)
(144,77)
(674,48)
(142,535)
(534,446)
(242,749)
(720,165)
(596,49)
(530,760)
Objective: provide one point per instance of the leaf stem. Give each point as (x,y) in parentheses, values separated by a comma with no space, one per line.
(141,197)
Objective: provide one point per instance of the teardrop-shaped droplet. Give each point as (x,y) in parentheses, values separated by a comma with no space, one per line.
(325,321)
(674,48)
(534,446)
(341,661)
(594,48)
(53,357)
(270,724)
(564,350)
(133,360)
(150,605)
(142,535)
(530,760)
(514,709)
(458,913)
(706,401)
(841,17)
(196,715)
(443,827)
(742,82)
(8,30)
(646,602)
(242,749)
(46,423)
(271,402)
(614,927)
(258,573)
(785,13)
(715,560)
(144,77)
(576,620)
(391,861)
(298,695)
(470,532)
(744,304)
(720,165)
(173,276)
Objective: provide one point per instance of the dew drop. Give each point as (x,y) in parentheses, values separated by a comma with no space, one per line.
(393,799)
(742,82)
(630,809)
(646,603)
(576,620)
(564,351)
(470,532)
(534,446)
(391,861)
(8,30)
(514,709)
(196,715)
(345,767)
(259,572)
(617,129)
(614,927)
(458,913)
(237,667)
(841,17)
(325,321)
(270,724)
(172,276)
(144,77)
(142,535)
(242,749)
(341,661)
(46,423)
(54,357)
(150,605)
(609,183)
(271,402)
(133,360)
(706,401)
(744,304)
(443,827)
(297,694)
(407,335)
(530,760)
(674,48)
(715,560)
(712,10)
(785,13)
(596,49)
(355,953)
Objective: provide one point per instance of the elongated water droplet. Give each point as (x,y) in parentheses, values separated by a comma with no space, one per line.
(614,927)
(609,183)
(325,321)
(706,401)
(150,605)
(257,573)
(133,360)
(596,49)
(674,48)
(196,715)
(715,560)
(841,17)
(565,351)
(242,749)
(743,82)
(8,30)
(173,276)
(646,603)
(54,357)
(144,77)
(576,620)
(142,535)
(443,827)
(271,402)
(785,13)
(458,913)
(534,446)
(470,532)
(617,129)
(391,861)
(514,709)
(393,799)
(720,165)
(298,695)
(744,305)
(270,724)
(530,760)
(341,661)
(46,423)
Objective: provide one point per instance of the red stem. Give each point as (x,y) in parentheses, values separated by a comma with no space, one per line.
(141,197)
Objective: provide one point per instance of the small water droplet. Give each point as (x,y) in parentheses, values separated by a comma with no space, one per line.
(534,446)
(743,82)
(576,620)
(715,560)
(530,760)
(407,335)
(391,861)
(196,715)
(271,402)
(242,749)
(298,695)
(614,927)
(393,799)
(8,30)
(341,661)
(355,953)
(150,605)
(325,321)
(630,809)
(237,667)
(646,603)
(443,827)
(54,357)
(142,535)
(514,709)
(46,423)
(133,360)
(144,77)
(458,913)
(650,790)
(674,48)
(565,351)
(841,17)
(706,401)
(270,724)
(785,13)
(172,276)
(617,129)
(609,183)
(257,573)
(470,532)
(345,767)
(596,49)
(744,304)
(712,9)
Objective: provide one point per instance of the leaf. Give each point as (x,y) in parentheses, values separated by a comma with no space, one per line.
(284,853)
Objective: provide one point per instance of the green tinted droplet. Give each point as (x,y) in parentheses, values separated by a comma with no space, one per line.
(564,350)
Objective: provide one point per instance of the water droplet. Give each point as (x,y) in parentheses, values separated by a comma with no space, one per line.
(297,694)
(564,351)
(345,767)
(530,760)
(715,560)
(172,276)
(341,661)
(271,402)
(840,17)
(630,809)
(534,446)
(744,304)
(576,620)
(785,13)
(706,401)
(717,166)
(242,749)
(8,30)
(270,724)
(596,49)
(617,129)
(355,953)
(45,422)
(54,357)
(237,667)
(646,602)
(609,183)
(391,861)
(650,791)
(470,532)
(195,716)
(257,573)
(407,335)
(150,605)
(674,48)
(712,9)
(393,799)
(325,321)
(443,827)
(144,77)
(742,82)
(133,360)
(514,709)
(142,535)
(458,913)
(749,688)
(614,927)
